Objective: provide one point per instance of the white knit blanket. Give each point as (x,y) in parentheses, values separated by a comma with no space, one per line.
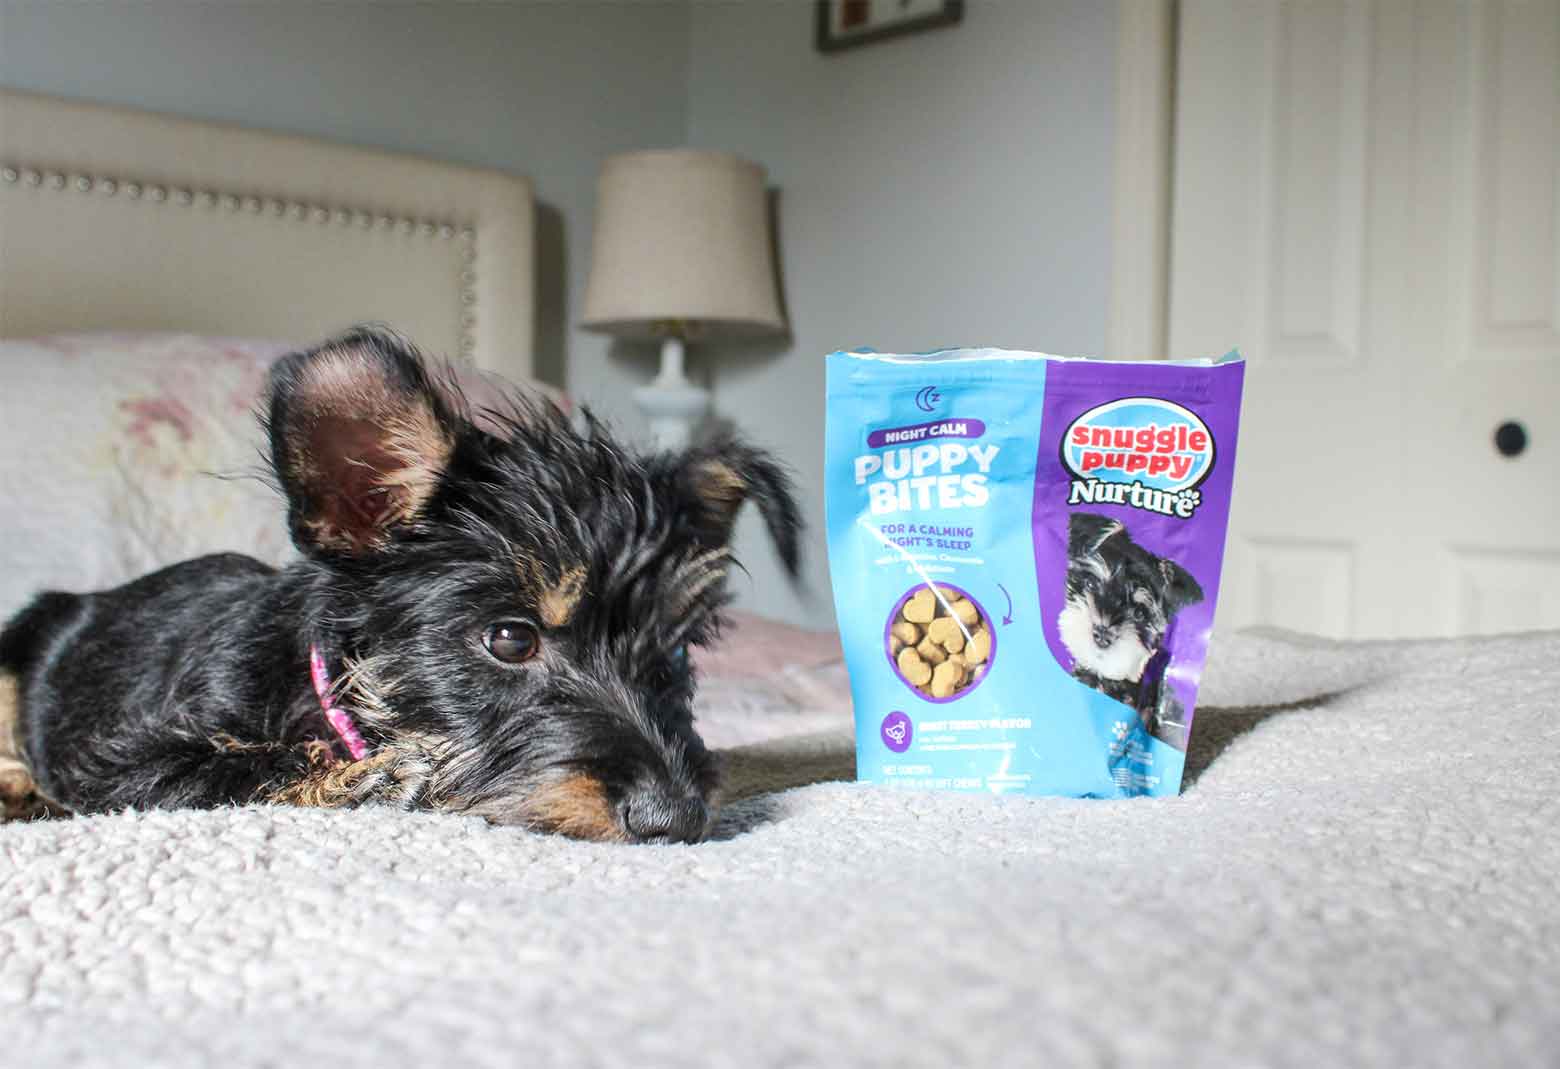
(1363,872)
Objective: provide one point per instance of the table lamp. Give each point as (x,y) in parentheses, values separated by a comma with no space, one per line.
(681,252)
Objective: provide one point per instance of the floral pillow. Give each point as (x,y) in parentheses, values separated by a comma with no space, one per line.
(122,453)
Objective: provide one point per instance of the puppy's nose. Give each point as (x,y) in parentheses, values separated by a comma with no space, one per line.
(1104,636)
(656,816)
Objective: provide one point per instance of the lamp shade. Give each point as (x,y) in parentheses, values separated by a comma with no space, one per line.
(681,234)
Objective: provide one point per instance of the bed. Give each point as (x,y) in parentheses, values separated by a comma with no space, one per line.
(1360,870)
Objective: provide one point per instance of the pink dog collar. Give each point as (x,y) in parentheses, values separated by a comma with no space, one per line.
(338,717)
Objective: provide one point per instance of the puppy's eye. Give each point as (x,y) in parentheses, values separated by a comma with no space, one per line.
(511,641)
(680,656)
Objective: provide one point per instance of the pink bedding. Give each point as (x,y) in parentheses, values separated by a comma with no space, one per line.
(766,679)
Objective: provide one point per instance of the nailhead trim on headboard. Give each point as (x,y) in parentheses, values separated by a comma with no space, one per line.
(276,207)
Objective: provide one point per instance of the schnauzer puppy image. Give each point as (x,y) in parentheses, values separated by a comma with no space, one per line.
(1120,602)
(492,620)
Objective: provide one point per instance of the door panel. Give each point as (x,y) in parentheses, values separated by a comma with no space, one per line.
(1502,591)
(1516,129)
(1306,584)
(1314,263)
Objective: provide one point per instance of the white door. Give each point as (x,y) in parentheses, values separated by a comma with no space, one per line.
(1367,201)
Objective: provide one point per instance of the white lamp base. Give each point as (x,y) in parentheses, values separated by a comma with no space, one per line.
(672,403)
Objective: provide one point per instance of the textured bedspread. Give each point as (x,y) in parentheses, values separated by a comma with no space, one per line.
(1362,871)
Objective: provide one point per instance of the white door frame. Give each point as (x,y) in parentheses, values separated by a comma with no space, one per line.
(1138,324)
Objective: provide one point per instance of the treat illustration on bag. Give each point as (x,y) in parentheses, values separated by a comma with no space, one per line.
(940,641)
(1121,603)
(1025,553)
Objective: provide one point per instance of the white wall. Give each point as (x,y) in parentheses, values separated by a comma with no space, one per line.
(950,188)
(947,188)
(547,90)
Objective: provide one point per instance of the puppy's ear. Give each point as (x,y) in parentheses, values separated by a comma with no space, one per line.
(1086,532)
(717,478)
(359,440)
(1180,589)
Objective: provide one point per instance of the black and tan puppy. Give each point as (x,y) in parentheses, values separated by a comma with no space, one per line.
(491,620)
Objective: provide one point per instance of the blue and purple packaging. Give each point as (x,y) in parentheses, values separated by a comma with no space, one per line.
(1025,553)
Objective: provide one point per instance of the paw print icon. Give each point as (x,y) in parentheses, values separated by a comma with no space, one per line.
(1119,729)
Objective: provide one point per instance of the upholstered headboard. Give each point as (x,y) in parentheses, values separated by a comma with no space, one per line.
(112,219)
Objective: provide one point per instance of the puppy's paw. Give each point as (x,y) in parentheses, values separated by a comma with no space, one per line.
(19,797)
(398,775)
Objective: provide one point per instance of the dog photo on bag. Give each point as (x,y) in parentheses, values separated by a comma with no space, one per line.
(1121,602)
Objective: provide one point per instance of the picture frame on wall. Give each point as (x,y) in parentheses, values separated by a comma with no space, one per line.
(846,24)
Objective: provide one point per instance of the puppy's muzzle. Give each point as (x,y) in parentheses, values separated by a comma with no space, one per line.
(655,814)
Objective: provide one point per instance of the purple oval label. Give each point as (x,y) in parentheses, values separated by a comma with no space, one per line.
(920,432)
(897,731)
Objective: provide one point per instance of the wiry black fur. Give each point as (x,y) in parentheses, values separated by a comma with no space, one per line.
(190,687)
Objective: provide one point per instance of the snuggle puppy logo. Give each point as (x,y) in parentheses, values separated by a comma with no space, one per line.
(1142,452)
